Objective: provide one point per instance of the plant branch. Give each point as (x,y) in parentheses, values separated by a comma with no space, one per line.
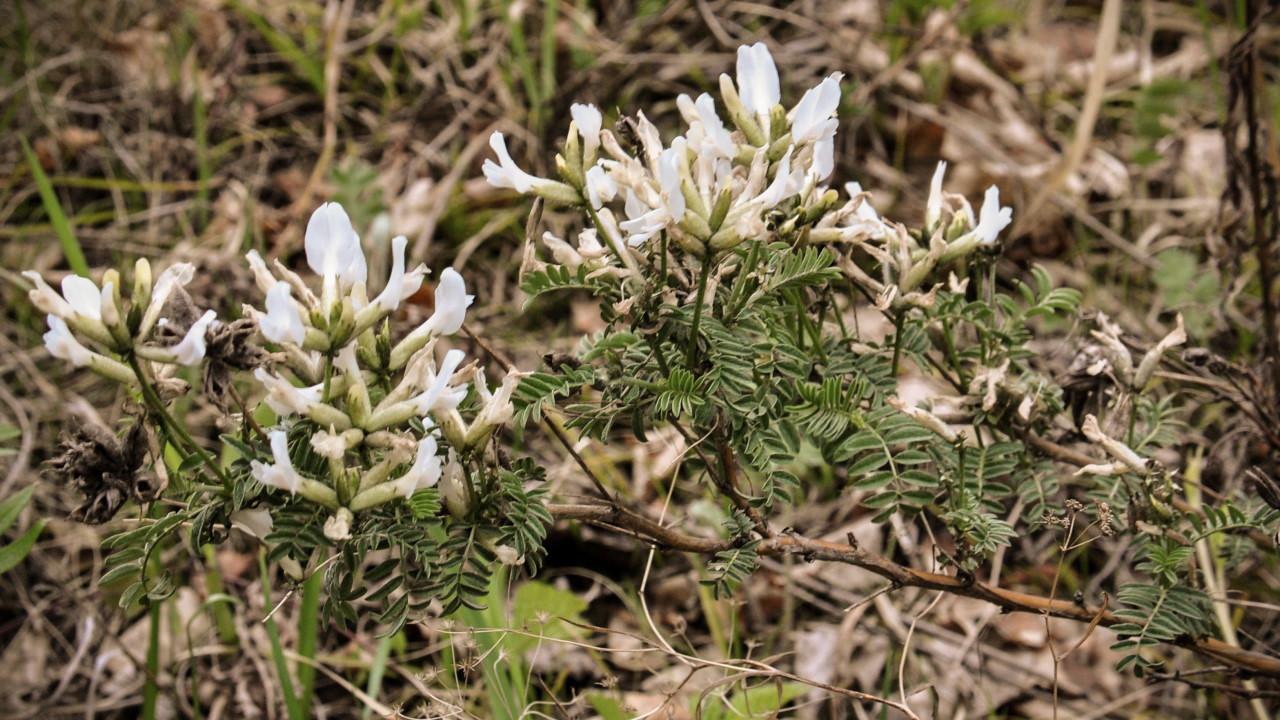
(901,575)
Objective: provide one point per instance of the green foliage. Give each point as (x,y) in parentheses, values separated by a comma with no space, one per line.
(134,561)
(730,567)
(356,188)
(1162,612)
(14,552)
(1188,286)
(1159,99)
(762,701)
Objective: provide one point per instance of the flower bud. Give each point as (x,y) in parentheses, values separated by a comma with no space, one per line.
(338,526)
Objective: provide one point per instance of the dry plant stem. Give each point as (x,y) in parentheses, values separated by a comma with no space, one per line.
(901,575)
(1110,28)
(1079,459)
(1248,82)
(729,475)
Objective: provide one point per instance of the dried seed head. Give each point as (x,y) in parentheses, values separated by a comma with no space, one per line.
(1105,518)
(105,469)
(230,346)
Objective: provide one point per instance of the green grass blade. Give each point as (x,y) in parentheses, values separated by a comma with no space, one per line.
(57,218)
(309,69)
(308,629)
(14,552)
(291,704)
(10,508)
(376,672)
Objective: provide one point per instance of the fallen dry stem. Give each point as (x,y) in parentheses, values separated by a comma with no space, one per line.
(901,575)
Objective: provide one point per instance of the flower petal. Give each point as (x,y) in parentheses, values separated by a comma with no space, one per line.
(83,296)
(283,322)
(757,78)
(452,302)
(191,350)
(63,345)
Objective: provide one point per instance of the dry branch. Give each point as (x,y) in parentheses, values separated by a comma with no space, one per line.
(901,575)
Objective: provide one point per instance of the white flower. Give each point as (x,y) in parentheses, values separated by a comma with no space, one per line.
(811,118)
(507,555)
(338,526)
(83,296)
(191,350)
(425,471)
(562,252)
(505,173)
(283,322)
(642,221)
(63,345)
(261,275)
(173,277)
(81,303)
(399,285)
(589,245)
(757,79)
(281,474)
(864,210)
(716,138)
(452,302)
(333,250)
(589,121)
(785,183)
(256,522)
(497,409)
(46,299)
(669,179)
(933,210)
(284,398)
(993,218)
(439,395)
(824,155)
(333,444)
(601,187)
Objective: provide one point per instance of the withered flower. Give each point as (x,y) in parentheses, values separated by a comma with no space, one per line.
(230,346)
(1268,488)
(106,469)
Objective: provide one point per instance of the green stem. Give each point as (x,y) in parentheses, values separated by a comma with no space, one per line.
(376,671)
(292,706)
(150,690)
(703,276)
(171,426)
(308,627)
(221,613)
(898,321)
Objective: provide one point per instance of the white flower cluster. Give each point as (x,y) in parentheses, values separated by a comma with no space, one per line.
(334,345)
(720,184)
(329,341)
(109,325)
